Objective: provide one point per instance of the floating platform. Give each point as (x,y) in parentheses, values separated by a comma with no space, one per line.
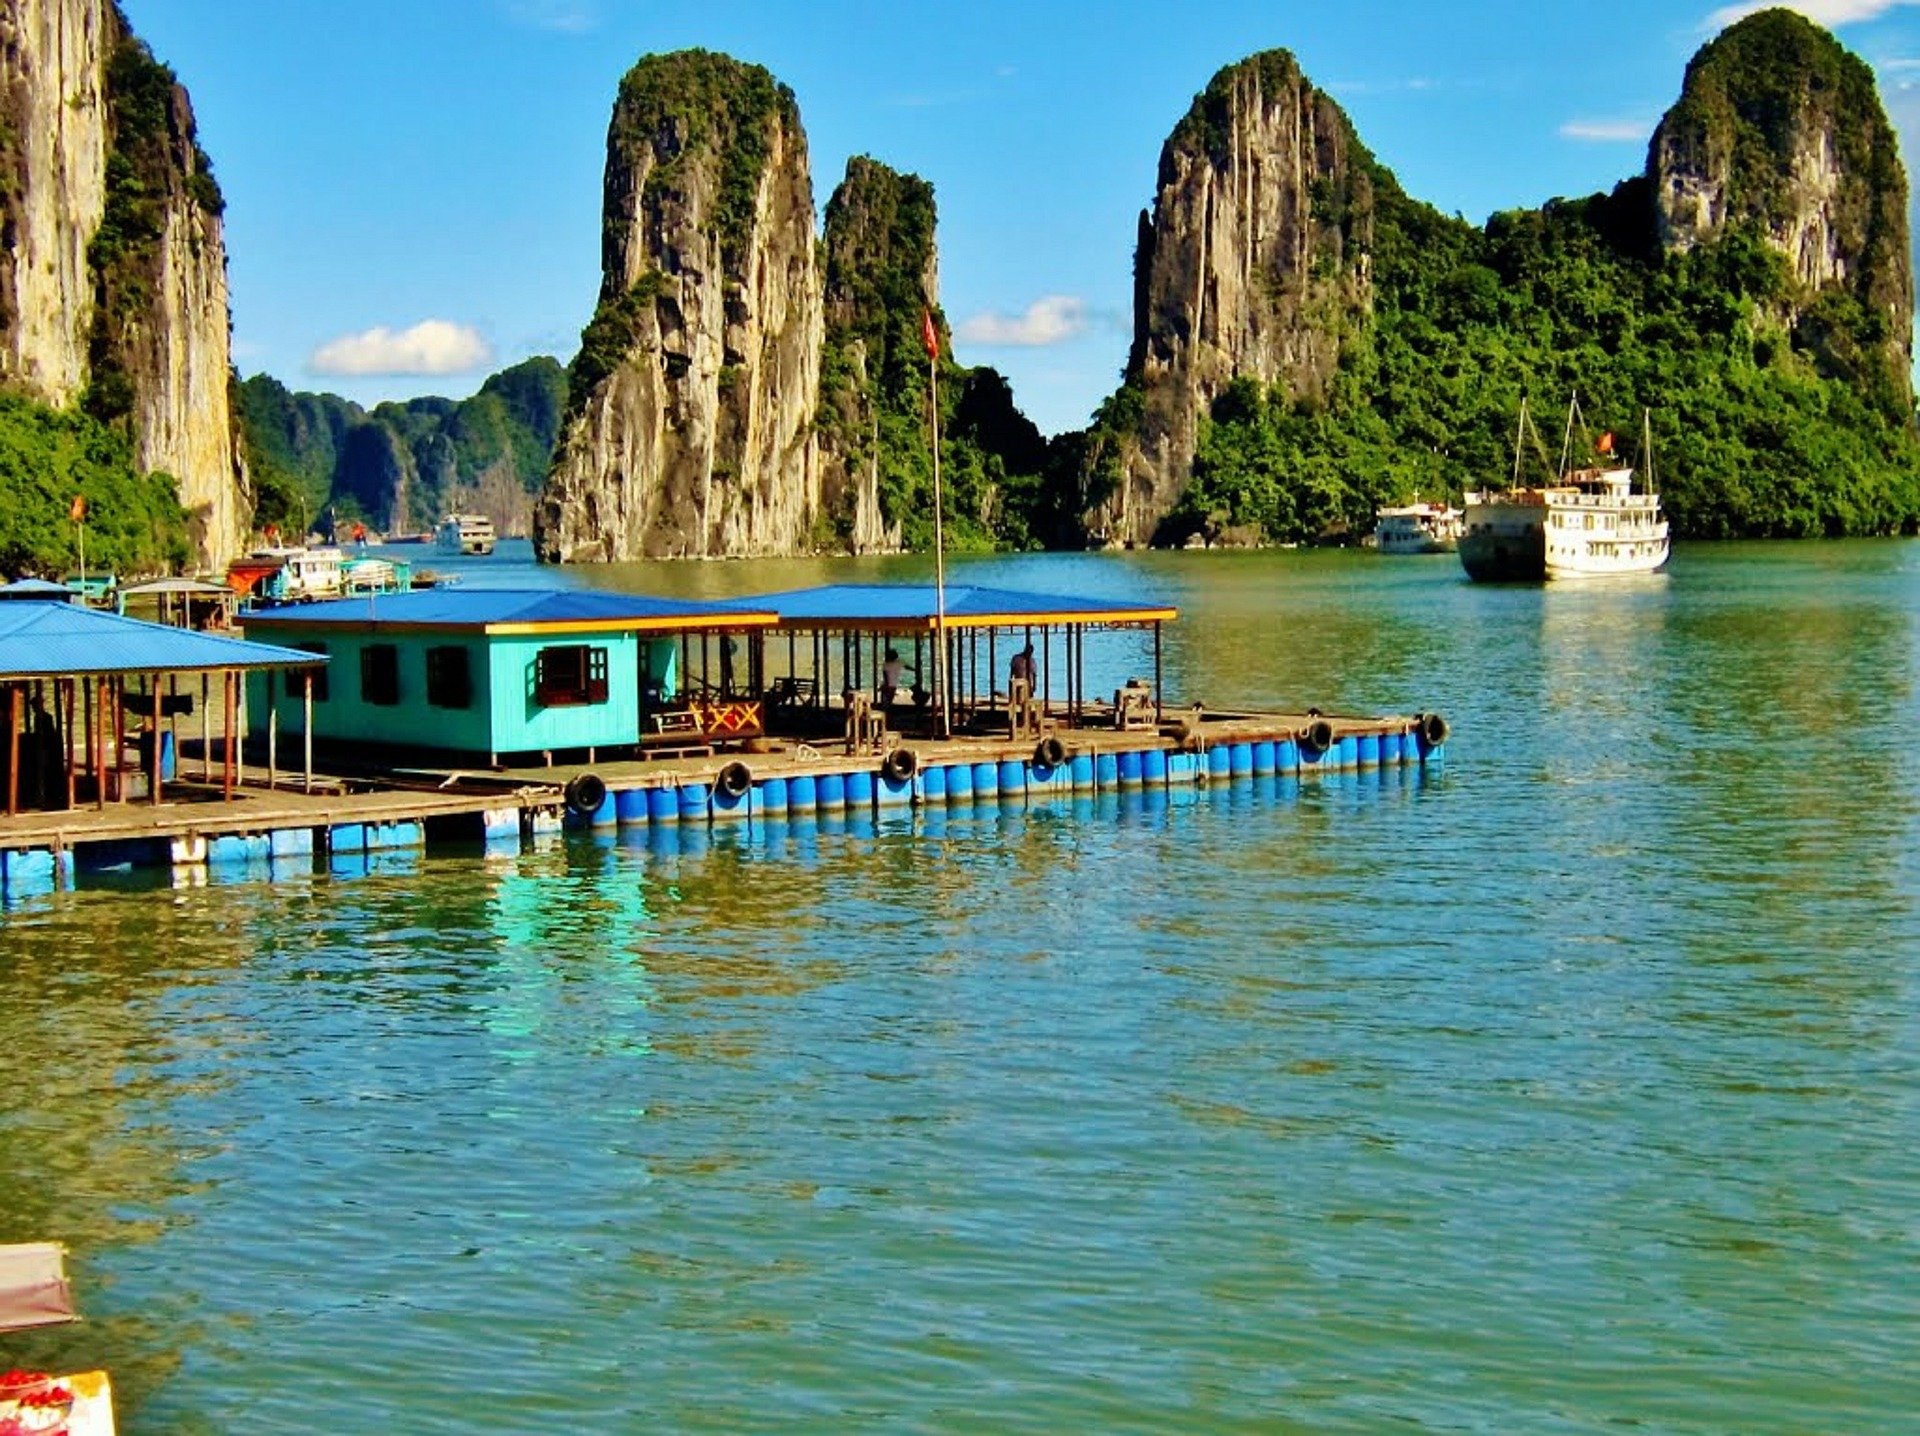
(346,825)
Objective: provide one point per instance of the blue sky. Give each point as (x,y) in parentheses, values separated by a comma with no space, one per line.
(414,185)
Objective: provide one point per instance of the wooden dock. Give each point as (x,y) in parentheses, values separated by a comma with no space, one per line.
(369,810)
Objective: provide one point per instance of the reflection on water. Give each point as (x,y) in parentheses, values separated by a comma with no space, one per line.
(1567,1089)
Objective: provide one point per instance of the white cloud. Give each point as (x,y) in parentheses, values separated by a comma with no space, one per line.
(1822,12)
(1051,320)
(433,346)
(1414,84)
(1607,132)
(569,17)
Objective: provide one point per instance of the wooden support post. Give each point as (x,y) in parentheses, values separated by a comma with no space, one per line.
(119,739)
(1159,678)
(206,730)
(153,736)
(97,740)
(231,712)
(306,724)
(67,685)
(13,749)
(1046,668)
(273,730)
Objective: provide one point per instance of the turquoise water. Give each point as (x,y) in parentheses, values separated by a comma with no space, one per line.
(1570,1089)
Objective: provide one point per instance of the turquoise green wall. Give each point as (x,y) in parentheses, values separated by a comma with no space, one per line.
(502,718)
(521,726)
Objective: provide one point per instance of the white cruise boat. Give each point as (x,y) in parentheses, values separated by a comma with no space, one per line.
(466,534)
(1417,528)
(1589,523)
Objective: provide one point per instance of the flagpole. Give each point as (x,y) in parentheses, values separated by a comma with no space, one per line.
(939,545)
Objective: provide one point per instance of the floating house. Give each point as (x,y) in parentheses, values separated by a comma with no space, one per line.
(77,684)
(487,673)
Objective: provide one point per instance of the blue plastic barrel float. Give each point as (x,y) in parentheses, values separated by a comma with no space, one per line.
(1240,760)
(1130,767)
(1080,770)
(959,782)
(1266,759)
(1369,750)
(892,792)
(1012,777)
(692,802)
(1390,752)
(662,806)
(986,780)
(860,790)
(1348,754)
(1106,770)
(1220,761)
(630,805)
(1153,765)
(1286,756)
(803,793)
(830,795)
(933,785)
(773,797)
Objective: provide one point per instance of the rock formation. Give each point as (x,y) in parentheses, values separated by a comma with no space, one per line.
(691,410)
(113,286)
(1254,262)
(881,275)
(1780,129)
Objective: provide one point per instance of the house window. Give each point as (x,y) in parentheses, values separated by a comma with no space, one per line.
(316,676)
(570,675)
(380,674)
(449,679)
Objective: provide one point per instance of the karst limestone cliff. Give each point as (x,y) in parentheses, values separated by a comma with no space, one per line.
(1779,129)
(113,285)
(1253,261)
(691,408)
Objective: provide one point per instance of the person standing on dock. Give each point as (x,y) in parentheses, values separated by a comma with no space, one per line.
(892,675)
(1020,691)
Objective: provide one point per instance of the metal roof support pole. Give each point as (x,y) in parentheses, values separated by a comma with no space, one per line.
(1046,668)
(206,732)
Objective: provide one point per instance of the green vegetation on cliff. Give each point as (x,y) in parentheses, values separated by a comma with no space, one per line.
(1776,410)
(879,260)
(402,464)
(48,457)
(152,157)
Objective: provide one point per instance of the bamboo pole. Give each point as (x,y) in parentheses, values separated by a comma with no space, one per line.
(153,732)
(230,707)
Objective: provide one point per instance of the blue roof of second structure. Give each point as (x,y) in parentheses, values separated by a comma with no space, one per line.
(41,640)
(508,610)
(909,605)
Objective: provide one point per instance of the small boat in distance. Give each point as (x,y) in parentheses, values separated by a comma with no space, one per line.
(1417,528)
(1588,523)
(288,573)
(466,534)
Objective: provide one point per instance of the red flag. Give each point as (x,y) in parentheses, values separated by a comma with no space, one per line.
(1605,445)
(929,340)
(78,513)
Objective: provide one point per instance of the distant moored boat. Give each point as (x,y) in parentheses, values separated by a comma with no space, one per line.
(1588,523)
(466,534)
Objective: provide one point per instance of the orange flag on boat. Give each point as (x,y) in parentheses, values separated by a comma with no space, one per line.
(78,513)
(1605,445)
(929,340)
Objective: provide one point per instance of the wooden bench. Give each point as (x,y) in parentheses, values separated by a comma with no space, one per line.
(677,734)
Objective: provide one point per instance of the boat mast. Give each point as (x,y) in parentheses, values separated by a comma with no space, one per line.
(1519,437)
(1646,445)
(1566,444)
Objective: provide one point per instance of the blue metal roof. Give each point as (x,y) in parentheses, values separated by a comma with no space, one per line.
(43,640)
(503,607)
(968,605)
(32,588)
